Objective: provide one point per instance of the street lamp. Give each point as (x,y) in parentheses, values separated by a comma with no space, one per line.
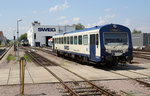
(17,38)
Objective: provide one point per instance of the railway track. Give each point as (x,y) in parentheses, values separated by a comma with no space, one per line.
(4,51)
(137,80)
(141,54)
(73,90)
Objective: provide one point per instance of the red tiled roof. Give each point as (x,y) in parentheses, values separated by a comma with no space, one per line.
(1,33)
(4,38)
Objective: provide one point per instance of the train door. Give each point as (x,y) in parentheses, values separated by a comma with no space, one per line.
(92,47)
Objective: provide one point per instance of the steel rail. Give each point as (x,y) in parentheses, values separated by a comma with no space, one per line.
(91,84)
(60,80)
(5,53)
(141,82)
(135,72)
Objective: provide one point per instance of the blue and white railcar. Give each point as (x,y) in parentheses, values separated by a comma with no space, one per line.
(110,44)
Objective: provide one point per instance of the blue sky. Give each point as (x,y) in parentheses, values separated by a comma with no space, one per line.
(132,13)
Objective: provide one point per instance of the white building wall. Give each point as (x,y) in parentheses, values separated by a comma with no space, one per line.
(30,36)
(41,35)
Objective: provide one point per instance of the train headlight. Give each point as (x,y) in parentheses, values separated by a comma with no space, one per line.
(126,50)
(107,50)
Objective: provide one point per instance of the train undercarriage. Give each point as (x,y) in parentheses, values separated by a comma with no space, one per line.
(107,61)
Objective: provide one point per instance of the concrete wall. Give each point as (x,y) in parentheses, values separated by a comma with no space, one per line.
(142,39)
(137,39)
(41,34)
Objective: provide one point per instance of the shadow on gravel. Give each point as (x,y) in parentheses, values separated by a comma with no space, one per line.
(119,67)
(109,68)
(104,67)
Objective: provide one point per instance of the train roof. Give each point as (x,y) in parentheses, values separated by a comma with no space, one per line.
(89,29)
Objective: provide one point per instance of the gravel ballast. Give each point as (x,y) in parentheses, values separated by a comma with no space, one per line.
(31,90)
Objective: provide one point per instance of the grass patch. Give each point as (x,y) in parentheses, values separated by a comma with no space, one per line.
(2,45)
(10,57)
(27,57)
(129,95)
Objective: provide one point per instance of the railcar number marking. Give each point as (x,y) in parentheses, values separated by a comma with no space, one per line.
(116,51)
(66,47)
(115,30)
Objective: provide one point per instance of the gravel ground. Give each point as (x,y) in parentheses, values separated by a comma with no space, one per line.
(31,90)
(124,85)
(53,89)
(116,85)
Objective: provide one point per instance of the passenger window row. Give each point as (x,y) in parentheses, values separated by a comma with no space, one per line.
(72,40)
(75,40)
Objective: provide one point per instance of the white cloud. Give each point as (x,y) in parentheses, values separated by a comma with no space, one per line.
(144,28)
(22,28)
(61,18)
(127,22)
(126,7)
(59,7)
(103,20)
(65,22)
(34,12)
(76,19)
(110,16)
(107,10)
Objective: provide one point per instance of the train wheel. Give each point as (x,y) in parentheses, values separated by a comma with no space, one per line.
(109,64)
(115,63)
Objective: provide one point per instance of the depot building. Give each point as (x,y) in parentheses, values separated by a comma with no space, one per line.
(38,35)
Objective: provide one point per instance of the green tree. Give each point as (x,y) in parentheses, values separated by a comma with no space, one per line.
(136,31)
(79,26)
(23,36)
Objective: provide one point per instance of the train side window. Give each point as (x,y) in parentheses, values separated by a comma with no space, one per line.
(55,41)
(59,40)
(67,40)
(71,40)
(64,40)
(85,39)
(96,39)
(80,39)
(75,40)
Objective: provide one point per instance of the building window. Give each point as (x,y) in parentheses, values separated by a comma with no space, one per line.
(75,40)
(80,39)
(85,39)
(71,40)
(64,40)
(67,40)
(34,35)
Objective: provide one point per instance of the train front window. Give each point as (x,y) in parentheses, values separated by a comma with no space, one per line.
(115,38)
